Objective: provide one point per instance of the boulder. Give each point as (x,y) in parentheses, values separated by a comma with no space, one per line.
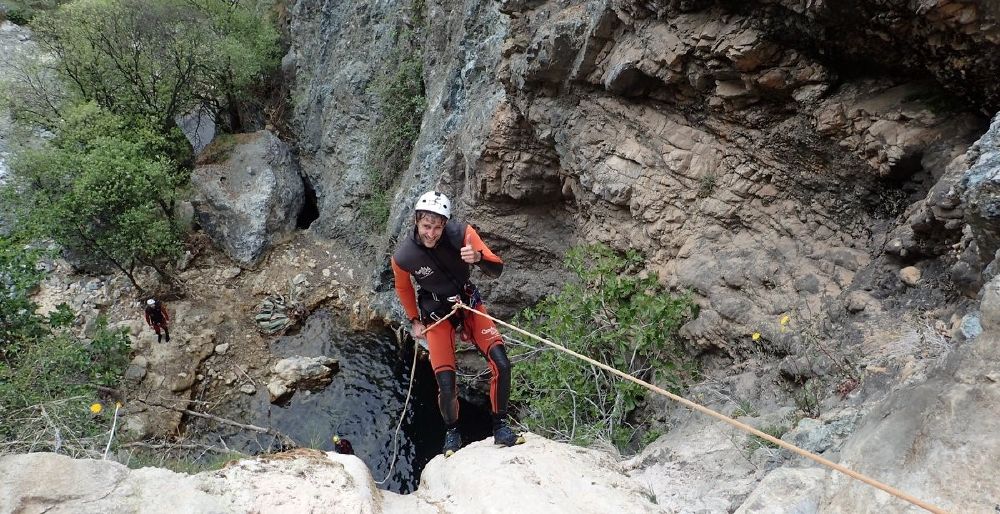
(198,126)
(787,490)
(539,476)
(698,466)
(308,373)
(251,196)
(981,186)
(910,275)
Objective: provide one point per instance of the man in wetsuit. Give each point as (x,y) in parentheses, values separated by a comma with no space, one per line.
(157,318)
(439,254)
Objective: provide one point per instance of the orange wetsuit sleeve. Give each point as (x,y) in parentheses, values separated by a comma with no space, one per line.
(404,289)
(490,264)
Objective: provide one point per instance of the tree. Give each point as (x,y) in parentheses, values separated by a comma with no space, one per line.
(158,59)
(104,187)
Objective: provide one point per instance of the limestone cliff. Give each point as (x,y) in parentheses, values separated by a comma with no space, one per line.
(755,158)
(812,159)
(539,476)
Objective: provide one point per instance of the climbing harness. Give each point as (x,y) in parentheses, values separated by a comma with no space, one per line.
(709,412)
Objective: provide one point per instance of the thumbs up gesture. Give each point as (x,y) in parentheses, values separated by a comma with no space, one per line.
(471,256)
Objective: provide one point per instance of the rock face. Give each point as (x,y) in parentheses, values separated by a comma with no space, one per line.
(717,142)
(929,439)
(801,161)
(539,476)
(251,197)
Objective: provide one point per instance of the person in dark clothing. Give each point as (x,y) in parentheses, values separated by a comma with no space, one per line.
(342,445)
(157,318)
(439,255)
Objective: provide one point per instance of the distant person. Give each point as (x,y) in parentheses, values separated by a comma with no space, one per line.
(342,445)
(439,254)
(157,318)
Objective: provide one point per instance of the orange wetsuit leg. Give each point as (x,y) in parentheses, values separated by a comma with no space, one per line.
(441,344)
(486,336)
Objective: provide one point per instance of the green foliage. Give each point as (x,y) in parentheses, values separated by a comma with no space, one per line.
(104,188)
(745,408)
(46,396)
(60,366)
(19,325)
(18,16)
(21,12)
(755,442)
(186,461)
(157,59)
(807,398)
(47,376)
(616,314)
(399,92)
(706,185)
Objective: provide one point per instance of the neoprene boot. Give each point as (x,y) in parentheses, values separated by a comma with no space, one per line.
(452,441)
(502,433)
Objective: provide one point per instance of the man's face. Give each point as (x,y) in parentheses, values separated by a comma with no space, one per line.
(429,229)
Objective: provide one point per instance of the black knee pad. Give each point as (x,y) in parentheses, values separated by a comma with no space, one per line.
(447,397)
(446,383)
(498,354)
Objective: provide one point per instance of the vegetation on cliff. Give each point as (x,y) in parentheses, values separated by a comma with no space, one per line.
(399,91)
(107,184)
(617,314)
(104,188)
(104,182)
(48,375)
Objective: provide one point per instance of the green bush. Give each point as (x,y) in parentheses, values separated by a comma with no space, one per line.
(18,16)
(158,59)
(48,377)
(103,187)
(19,325)
(618,315)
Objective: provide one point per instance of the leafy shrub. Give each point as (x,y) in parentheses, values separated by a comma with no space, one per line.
(18,16)
(48,376)
(158,59)
(19,325)
(616,314)
(104,188)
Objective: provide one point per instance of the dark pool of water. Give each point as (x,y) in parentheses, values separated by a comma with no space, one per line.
(363,403)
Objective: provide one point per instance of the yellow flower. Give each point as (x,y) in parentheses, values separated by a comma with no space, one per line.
(755,336)
(118,405)
(96,408)
(785,319)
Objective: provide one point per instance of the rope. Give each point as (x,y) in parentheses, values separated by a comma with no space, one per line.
(395,435)
(409,394)
(721,417)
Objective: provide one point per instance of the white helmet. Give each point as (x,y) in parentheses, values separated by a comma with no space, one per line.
(435,202)
(151,302)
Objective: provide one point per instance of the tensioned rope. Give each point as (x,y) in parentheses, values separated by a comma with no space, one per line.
(721,417)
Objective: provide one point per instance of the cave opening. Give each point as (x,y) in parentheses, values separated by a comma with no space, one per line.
(310,209)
